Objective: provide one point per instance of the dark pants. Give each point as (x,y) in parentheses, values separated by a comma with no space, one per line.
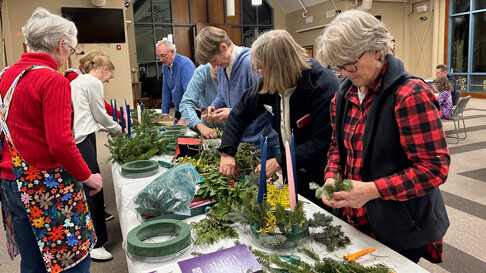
(415,254)
(96,203)
(29,250)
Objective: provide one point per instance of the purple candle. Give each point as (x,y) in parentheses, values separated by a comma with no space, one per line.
(113,112)
(262,186)
(129,121)
(116,114)
(122,119)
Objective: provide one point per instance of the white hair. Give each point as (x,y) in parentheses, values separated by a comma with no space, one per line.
(168,45)
(44,30)
(350,34)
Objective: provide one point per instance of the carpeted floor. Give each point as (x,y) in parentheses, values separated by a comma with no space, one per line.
(464,194)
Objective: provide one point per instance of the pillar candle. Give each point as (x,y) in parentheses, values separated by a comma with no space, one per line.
(294,165)
(113,111)
(262,186)
(116,114)
(141,106)
(139,113)
(129,121)
(122,121)
(290,177)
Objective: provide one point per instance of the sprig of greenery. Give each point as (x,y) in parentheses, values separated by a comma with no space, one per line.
(218,187)
(211,230)
(140,146)
(339,185)
(326,265)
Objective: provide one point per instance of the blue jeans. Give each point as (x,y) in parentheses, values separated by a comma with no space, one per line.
(31,259)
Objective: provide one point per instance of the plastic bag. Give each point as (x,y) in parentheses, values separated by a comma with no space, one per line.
(171,192)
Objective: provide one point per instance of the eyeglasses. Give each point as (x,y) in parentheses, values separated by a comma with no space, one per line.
(351,67)
(163,55)
(71,50)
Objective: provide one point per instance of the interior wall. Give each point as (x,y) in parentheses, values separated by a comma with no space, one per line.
(16,13)
(420,58)
(278,15)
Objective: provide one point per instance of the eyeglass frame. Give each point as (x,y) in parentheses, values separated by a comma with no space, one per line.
(164,55)
(343,67)
(71,49)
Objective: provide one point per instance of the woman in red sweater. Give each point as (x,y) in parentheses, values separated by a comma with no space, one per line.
(42,169)
(73,72)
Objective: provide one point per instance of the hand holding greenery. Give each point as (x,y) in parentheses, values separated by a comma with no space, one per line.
(339,185)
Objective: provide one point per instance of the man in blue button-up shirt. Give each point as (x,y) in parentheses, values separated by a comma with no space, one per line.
(177,70)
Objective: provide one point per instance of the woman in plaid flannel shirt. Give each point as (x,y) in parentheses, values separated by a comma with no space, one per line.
(387,138)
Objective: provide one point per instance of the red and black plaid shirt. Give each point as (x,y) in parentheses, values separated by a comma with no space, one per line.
(421,137)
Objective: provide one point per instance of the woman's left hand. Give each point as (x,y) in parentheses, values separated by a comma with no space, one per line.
(361,193)
(271,167)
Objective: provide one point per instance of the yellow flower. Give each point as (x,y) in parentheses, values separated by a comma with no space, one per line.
(16,161)
(274,196)
(271,221)
(38,222)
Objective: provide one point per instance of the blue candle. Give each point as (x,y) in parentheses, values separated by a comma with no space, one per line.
(129,121)
(122,119)
(262,186)
(113,113)
(294,166)
(116,114)
(141,106)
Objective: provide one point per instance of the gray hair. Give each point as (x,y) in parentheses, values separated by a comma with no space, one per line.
(168,45)
(350,34)
(208,43)
(44,30)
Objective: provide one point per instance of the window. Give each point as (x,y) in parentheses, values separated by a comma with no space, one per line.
(153,22)
(256,19)
(467,44)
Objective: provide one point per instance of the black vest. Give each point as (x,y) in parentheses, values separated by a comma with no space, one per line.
(399,225)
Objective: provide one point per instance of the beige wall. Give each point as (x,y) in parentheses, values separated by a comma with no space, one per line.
(278,15)
(17,12)
(420,58)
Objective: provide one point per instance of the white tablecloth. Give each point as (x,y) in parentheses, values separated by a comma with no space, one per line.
(126,188)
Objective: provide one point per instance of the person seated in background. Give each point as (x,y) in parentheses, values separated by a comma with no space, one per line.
(299,92)
(177,72)
(73,72)
(234,78)
(441,71)
(443,86)
(201,91)
(89,114)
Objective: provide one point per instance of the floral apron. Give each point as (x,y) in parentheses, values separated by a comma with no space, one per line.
(54,201)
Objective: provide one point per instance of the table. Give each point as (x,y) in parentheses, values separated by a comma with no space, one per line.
(126,189)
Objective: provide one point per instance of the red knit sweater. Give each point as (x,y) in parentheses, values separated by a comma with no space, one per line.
(40,119)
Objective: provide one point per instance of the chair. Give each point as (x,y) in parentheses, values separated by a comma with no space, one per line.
(458,96)
(457,116)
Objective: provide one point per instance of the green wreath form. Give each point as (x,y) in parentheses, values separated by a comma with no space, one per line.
(137,247)
(139,167)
